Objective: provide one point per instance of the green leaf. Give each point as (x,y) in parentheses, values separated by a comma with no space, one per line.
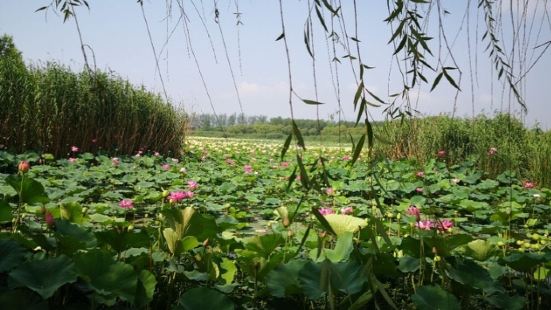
(310,280)
(145,288)
(409,264)
(436,81)
(312,102)
(433,298)
(22,299)
(189,243)
(5,212)
(330,8)
(361,301)
(264,245)
(525,262)
(31,191)
(298,135)
(451,80)
(72,237)
(363,104)
(471,274)
(479,249)
(343,248)
(342,224)
(370,133)
(358,149)
(348,277)
(231,270)
(401,45)
(45,276)
(172,238)
(504,301)
(323,221)
(283,280)
(307,39)
(303,174)
(202,226)
(322,21)
(72,212)
(11,254)
(286,145)
(122,239)
(205,299)
(358,92)
(374,96)
(107,277)
(41,8)
(541,273)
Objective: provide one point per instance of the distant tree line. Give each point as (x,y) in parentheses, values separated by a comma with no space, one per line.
(263,127)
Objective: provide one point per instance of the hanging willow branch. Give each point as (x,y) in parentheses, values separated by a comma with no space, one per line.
(496,53)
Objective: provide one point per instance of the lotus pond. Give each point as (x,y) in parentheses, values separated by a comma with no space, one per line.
(230,225)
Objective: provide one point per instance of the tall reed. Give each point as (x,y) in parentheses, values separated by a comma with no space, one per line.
(48,108)
(497,144)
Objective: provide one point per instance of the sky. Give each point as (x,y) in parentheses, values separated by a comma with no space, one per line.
(117,34)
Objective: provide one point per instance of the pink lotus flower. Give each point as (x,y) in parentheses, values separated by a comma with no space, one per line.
(165,167)
(72,160)
(420,174)
(23,166)
(49,218)
(139,153)
(528,184)
(347,210)
(424,225)
(126,204)
(175,197)
(75,149)
(330,191)
(156,154)
(492,151)
(284,164)
(346,158)
(230,161)
(419,190)
(445,225)
(94,141)
(325,211)
(192,185)
(441,154)
(248,169)
(414,211)
(115,161)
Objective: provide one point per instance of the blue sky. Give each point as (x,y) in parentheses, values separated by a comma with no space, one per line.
(116,32)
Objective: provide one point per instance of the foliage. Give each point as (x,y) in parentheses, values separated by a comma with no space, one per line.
(49,108)
(249,236)
(525,151)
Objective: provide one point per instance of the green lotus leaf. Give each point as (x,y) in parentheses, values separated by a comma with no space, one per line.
(45,276)
(342,224)
(204,298)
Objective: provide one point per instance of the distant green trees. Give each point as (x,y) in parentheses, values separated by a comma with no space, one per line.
(263,127)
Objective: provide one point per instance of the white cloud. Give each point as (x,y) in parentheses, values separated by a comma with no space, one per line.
(254,89)
(247,88)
